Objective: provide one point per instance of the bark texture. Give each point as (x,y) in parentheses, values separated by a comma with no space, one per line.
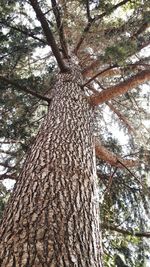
(114,160)
(52,218)
(121,88)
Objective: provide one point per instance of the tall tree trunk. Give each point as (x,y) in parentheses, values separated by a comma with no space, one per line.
(52,218)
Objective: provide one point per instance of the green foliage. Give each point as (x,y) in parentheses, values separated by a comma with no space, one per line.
(105,6)
(4,194)
(123,207)
(119,52)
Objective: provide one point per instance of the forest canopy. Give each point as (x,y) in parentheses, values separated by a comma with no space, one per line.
(110,41)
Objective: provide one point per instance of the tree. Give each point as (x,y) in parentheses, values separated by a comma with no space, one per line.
(52,217)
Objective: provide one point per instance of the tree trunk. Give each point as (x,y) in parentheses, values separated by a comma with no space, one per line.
(52,218)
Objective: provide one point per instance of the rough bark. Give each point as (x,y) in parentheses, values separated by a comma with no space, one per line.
(52,218)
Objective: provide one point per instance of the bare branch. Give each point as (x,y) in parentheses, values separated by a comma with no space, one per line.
(113,8)
(143,45)
(95,64)
(98,74)
(89,70)
(49,35)
(12,176)
(125,232)
(88,10)
(104,154)
(113,108)
(85,31)
(92,20)
(60,28)
(10,141)
(91,88)
(24,88)
(142,28)
(120,89)
(114,70)
(110,180)
(6,165)
(126,167)
(7,152)
(121,117)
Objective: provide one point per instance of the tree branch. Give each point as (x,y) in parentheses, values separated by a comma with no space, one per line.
(95,64)
(125,232)
(6,165)
(114,70)
(7,152)
(142,28)
(88,10)
(24,31)
(98,74)
(10,142)
(113,108)
(121,117)
(90,70)
(60,28)
(104,154)
(24,88)
(121,88)
(92,20)
(49,35)
(4,176)
(117,112)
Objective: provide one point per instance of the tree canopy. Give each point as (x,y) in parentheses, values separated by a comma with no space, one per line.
(110,41)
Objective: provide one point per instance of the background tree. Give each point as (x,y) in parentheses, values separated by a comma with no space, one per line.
(110,40)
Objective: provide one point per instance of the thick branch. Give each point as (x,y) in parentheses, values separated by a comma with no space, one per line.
(125,232)
(120,89)
(91,21)
(60,28)
(49,35)
(24,88)
(104,154)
